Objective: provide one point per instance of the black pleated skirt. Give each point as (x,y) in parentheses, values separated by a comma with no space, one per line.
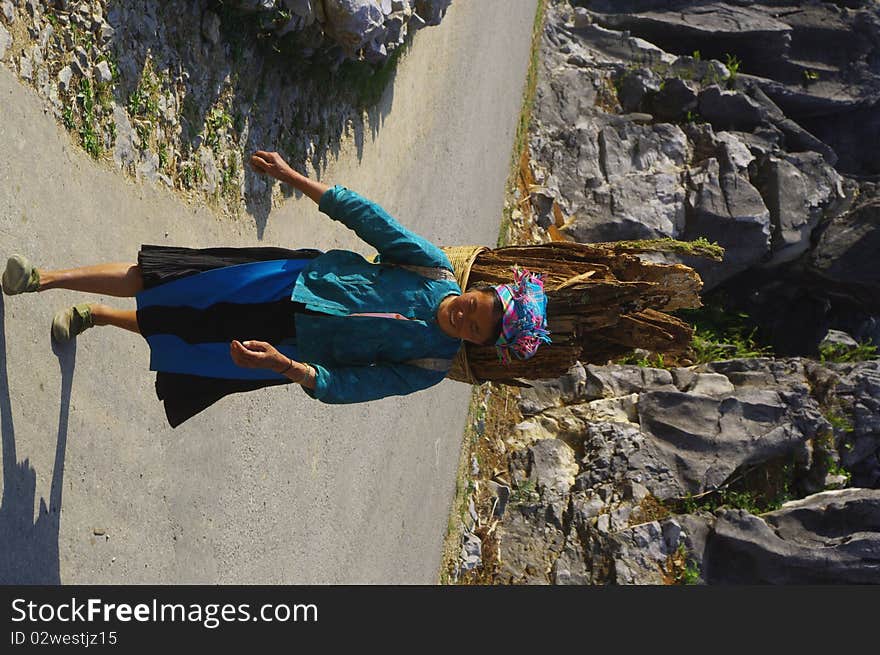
(183,395)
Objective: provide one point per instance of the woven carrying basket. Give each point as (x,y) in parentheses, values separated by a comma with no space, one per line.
(462,258)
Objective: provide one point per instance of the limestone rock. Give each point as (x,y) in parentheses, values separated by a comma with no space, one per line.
(124,151)
(839,338)
(5,41)
(844,258)
(103,73)
(353,23)
(639,553)
(675,98)
(148,167)
(815,62)
(735,151)
(755,174)
(530,545)
(828,538)
(619,380)
(363,29)
(431,11)
(797,189)
(80,61)
(553,467)
(855,390)
(710,384)
(25,66)
(543,394)
(471,552)
(723,434)
(635,86)
(570,567)
(211,174)
(729,110)
(590,518)
(8,11)
(726,209)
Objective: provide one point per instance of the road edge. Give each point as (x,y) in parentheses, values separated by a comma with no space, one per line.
(476,408)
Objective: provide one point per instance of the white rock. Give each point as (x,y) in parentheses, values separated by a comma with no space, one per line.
(25,67)
(739,153)
(107,32)
(838,338)
(64,76)
(80,60)
(103,73)
(36,56)
(42,79)
(581,18)
(835,481)
(149,166)
(354,23)
(5,41)
(45,35)
(622,409)
(55,100)
(124,150)
(8,11)
(636,491)
(712,384)
(211,175)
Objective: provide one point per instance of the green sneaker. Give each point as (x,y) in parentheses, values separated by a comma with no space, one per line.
(20,276)
(72,321)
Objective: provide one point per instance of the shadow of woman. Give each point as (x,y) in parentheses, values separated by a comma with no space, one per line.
(29,547)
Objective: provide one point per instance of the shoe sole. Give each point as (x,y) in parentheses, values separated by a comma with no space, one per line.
(62,323)
(61,326)
(16,275)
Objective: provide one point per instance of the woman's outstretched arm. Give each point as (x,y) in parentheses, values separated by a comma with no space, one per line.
(273,165)
(371,223)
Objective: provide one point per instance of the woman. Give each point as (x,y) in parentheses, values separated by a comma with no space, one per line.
(225,320)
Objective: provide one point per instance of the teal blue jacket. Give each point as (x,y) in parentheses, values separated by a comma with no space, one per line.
(360,358)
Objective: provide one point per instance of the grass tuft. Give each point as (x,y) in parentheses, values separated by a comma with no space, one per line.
(721,332)
(840,354)
(680,569)
(89,138)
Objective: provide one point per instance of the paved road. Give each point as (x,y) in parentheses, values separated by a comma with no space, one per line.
(269,487)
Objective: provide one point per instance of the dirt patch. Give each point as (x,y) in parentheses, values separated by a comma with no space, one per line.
(494,411)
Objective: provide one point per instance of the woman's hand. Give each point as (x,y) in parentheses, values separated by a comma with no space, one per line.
(273,165)
(258,354)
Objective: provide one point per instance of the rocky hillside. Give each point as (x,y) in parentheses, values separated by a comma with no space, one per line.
(353,29)
(179,93)
(639,475)
(752,125)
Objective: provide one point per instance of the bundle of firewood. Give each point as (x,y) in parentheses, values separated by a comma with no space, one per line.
(603,302)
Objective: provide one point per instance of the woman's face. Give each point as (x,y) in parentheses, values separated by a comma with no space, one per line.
(470,316)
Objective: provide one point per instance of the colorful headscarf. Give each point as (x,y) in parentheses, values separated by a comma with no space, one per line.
(524,325)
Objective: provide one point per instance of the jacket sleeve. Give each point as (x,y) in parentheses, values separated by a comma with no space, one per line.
(357,384)
(378,228)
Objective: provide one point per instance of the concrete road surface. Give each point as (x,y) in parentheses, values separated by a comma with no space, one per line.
(267,487)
